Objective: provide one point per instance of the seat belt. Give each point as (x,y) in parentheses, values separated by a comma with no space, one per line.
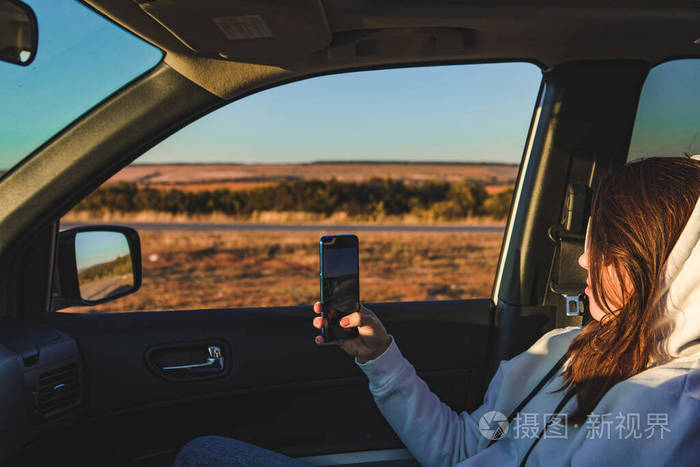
(566,278)
(567,397)
(550,374)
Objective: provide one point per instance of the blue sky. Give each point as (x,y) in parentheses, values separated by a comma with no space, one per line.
(99,247)
(668,117)
(449,113)
(456,113)
(81,59)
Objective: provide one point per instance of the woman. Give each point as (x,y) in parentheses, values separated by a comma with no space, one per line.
(624,389)
(630,388)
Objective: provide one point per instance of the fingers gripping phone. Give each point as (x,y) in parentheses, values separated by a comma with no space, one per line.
(340,284)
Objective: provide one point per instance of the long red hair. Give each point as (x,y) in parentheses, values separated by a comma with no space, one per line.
(637,215)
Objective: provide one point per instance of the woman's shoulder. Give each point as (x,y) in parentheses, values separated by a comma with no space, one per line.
(540,357)
(556,341)
(551,346)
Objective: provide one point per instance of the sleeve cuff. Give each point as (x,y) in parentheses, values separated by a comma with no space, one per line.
(384,367)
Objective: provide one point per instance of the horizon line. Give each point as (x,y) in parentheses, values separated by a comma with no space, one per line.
(332,162)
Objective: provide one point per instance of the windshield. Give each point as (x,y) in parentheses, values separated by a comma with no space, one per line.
(81,59)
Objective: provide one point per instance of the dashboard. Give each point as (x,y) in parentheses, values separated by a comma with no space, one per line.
(41,383)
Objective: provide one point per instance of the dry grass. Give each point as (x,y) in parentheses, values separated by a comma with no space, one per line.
(230,269)
(234,175)
(210,186)
(498,188)
(273,217)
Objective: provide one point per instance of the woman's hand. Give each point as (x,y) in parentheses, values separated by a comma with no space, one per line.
(372,340)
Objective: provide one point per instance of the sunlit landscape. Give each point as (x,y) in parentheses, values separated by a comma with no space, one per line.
(276,265)
(318,192)
(194,270)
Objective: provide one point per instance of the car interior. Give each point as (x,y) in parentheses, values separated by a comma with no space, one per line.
(103,389)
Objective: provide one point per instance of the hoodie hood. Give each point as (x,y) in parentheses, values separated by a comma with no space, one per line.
(680,288)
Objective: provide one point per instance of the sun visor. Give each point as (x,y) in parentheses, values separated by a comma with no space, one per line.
(244,30)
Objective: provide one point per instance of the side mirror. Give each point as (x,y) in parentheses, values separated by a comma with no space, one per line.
(19,32)
(96,264)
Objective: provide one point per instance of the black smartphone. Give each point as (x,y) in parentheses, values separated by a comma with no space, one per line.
(340,284)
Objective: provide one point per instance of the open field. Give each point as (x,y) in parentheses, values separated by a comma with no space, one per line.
(246,176)
(271,218)
(228,269)
(491,188)
(303,193)
(242,269)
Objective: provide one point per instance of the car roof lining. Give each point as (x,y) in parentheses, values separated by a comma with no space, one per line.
(368,33)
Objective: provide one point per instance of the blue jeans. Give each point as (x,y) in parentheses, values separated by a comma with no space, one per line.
(218,451)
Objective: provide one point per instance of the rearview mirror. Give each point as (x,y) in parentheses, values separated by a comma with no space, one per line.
(96,264)
(18,32)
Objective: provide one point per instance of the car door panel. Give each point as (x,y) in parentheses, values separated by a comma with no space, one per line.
(282,391)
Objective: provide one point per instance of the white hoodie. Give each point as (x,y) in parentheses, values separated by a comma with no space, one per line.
(650,419)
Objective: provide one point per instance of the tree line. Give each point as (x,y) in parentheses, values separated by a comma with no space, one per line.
(372,198)
(117,267)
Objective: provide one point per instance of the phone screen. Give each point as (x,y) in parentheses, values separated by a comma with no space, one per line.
(340,284)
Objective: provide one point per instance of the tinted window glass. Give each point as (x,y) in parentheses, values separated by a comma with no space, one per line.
(81,59)
(668,118)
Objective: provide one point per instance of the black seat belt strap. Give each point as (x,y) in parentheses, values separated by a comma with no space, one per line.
(532,394)
(567,397)
(566,278)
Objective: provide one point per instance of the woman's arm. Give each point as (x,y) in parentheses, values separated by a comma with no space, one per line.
(432,431)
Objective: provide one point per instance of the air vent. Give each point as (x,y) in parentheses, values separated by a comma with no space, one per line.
(58,390)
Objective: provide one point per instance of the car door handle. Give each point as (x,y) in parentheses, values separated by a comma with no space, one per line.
(214,362)
(190,361)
